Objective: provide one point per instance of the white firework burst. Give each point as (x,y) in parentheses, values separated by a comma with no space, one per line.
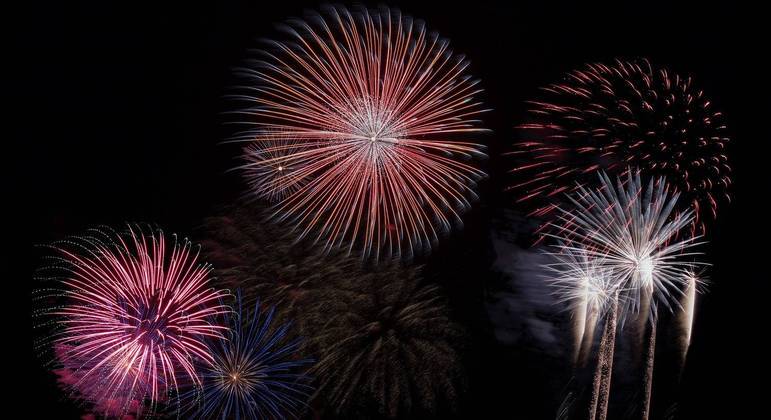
(587,287)
(633,233)
(580,279)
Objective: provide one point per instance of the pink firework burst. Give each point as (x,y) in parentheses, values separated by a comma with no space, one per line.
(133,318)
(612,117)
(370,114)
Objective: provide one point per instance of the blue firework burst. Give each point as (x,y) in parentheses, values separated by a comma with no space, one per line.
(256,372)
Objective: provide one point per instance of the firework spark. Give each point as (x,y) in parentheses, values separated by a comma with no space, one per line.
(625,114)
(627,237)
(268,171)
(372,113)
(256,373)
(133,318)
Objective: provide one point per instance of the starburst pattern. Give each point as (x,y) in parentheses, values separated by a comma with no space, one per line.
(634,232)
(376,110)
(586,286)
(261,259)
(385,342)
(610,117)
(133,317)
(256,373)
(580,279)
(270,175)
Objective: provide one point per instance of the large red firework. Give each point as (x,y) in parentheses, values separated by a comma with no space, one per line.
(133,317)
(359,124)
(612,117)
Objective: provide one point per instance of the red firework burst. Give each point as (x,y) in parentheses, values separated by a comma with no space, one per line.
(368,112)
(612,117)
(133,318)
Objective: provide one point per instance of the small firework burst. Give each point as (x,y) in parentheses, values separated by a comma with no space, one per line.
(371,115)
(132,316)
(384,342)
(256,373)
(610,117)
(270,175)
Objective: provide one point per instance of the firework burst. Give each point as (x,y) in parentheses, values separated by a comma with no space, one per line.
(256,373)
(372,114)
(133,317)
(635,232)
(261,259)
(384,342)
(270,175)
(347,314)
(629,113)
(587,287)
(580,279)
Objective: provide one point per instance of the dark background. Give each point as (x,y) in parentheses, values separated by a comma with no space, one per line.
(117,117)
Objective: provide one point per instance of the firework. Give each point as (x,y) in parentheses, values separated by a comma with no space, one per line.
(629,113)
(343,309)
(262,259)
(270,175)
(133,317)
(256,373)
(384,342)
(635,232)
(586,286)
(583,282)
(370,113)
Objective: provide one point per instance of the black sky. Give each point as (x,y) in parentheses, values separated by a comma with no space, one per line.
(116,117)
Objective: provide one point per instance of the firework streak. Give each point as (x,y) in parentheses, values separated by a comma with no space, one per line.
(598,406)
(685,320)
(584,347)
(357,131)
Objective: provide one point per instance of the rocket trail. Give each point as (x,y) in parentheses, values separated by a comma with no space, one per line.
(598,408)
(648,375)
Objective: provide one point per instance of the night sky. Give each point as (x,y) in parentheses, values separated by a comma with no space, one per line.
(120,119)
